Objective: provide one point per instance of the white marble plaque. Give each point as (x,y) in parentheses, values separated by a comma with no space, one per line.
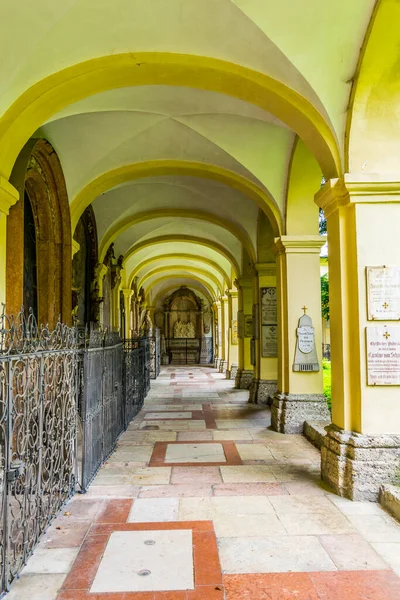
(305,335)
(268,306)
(269,341)
(383,355)
(383,285)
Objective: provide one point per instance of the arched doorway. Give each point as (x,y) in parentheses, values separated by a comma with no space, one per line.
(39,264)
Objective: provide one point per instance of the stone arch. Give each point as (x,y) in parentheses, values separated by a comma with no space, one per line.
(38,174)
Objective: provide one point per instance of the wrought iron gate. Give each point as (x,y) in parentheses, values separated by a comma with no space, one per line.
(38,384)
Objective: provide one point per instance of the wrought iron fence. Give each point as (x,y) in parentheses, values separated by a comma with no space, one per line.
(47,380)
(115,379)
(155,355)
(38,383)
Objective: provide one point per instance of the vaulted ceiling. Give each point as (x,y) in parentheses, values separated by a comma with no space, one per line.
(177,158)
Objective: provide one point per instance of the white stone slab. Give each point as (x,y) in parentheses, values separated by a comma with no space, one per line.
(169,415)
(192,453)
(169,560)
(153,510)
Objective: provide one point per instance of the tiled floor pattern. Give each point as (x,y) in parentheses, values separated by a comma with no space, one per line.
(245,504)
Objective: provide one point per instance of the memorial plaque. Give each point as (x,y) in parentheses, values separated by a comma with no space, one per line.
(306,358)
(383,285)
(383,355)
(234,338)
(269,341)
(248,326)
(268,306)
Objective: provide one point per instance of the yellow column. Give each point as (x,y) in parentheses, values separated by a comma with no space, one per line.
(8,197)
(218,334)
(127,292)
(232,365)
(245,371)
(300,394)
(224,336)
(101,272)
(362,448)
(264,384)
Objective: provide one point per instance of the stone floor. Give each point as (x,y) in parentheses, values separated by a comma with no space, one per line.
(201,501)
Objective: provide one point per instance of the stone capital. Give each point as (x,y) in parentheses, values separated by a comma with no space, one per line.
(358,188)
(101,271)
(231,293)
(266,269)
(8,195)
(127,292)
(244,282)
(302,244)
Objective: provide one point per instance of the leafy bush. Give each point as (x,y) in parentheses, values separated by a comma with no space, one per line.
(327,375)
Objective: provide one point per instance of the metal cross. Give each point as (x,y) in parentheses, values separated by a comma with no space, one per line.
(305,309)
(386,335)
(385,305)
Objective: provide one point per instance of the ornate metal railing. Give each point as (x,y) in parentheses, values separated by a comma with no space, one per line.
(38,383)
(187,351)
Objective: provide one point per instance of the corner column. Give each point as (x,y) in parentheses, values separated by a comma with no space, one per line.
(245,372)
(8,197)
(300,394)
(264,385)
(362,448)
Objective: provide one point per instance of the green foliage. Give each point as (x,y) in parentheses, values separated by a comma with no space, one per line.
(327,376)
(322,223)
(325,296)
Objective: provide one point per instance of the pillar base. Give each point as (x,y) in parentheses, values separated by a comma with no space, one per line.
(262,391)
(243,380)
(232,372)
(222,366)
(289,411)
(356,465)
(216,363)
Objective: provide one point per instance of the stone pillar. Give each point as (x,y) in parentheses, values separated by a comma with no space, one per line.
(8,197)
(362,448)
(218,341)
(225,334)
(300,395)
(101,272)
(127,292)
(264,385)
(245,372)
(233,354)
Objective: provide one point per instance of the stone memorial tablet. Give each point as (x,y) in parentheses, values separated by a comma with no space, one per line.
(269,347)
(306,359)
(268,306)
(234,337)
(383,284)
(248,326)
(383,355)
(240,324)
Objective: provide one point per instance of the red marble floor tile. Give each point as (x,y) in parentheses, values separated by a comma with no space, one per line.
(206,592)
(249,489)
(160,450)
(115,511)
(178,595)
(207,567)
(85,566)
(105,529)
(357,585)
(271,586)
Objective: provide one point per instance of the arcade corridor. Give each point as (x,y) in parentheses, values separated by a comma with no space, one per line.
(202,501)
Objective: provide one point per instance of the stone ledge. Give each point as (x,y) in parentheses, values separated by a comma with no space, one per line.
(290,411)
(315,432)
(389,498)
